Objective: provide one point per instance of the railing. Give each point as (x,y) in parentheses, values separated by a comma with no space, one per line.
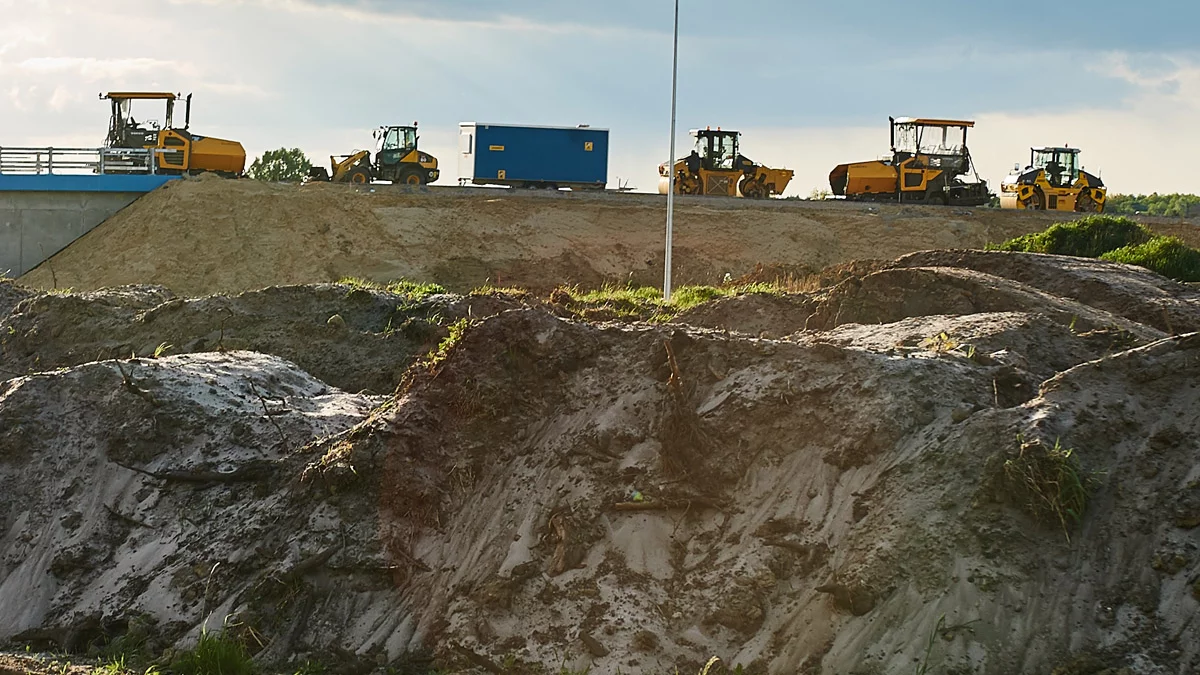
(76,161)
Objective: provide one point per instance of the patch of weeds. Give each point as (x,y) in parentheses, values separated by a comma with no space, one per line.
(489,289)
(411,290)
(455,334)
(645,303)
(1168,256)
(358,283)
(1053,483)
(944,343)
(60,291)
(219,654)
(162,349)
(414,290)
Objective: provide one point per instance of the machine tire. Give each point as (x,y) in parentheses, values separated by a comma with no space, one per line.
(937,198)
(359,175)
(1085,203)
(412,177)
(1037,202)
(752,189)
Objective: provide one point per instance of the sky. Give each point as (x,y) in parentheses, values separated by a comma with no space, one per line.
(809,84)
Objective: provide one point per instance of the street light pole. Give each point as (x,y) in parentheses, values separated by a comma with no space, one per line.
(671,164)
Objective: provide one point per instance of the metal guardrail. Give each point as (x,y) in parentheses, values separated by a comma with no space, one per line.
(76,161)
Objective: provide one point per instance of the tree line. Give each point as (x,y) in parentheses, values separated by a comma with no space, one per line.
(1154,204)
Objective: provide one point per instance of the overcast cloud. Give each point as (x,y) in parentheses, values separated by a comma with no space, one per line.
(810,84)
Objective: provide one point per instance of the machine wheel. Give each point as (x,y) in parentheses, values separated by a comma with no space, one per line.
(412,177)
(359,175)
(1085,203)
(1036,201)
(938,197)
(752,189)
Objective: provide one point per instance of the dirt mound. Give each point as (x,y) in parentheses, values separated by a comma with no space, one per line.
(755,313)
(353,338)
(973,476)
(11,294)
(200,237)
(891,295)
(1136,293)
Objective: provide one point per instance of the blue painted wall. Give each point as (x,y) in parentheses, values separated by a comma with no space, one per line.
(559,155)
(82,183)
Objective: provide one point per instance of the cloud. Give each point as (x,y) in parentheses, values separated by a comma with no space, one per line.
(93,69)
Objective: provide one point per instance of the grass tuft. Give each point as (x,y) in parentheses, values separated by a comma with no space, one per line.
(218,654)
(1053,483)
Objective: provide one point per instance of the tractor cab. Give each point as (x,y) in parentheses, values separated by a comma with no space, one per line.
(934,143)
(394,143)
(125,131)
(1060,164)
(717,150)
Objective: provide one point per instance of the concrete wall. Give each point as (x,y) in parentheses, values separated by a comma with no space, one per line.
(36,225)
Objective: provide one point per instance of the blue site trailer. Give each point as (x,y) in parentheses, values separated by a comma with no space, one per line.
(533,157)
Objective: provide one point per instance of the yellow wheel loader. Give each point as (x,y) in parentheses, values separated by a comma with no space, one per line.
(178,149)
(928,165)
(397,159)
(715,167)
(1053,181)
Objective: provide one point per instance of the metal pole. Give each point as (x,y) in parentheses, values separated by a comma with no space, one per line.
(671,164)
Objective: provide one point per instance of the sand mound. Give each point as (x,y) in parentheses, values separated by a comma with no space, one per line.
(353,338)
(1135,293)
(199,237)
(631,497)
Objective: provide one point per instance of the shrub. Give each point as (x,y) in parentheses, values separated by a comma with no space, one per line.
(1088,237)
(1168,256)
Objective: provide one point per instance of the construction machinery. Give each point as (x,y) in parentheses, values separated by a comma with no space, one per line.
(928,163)
(1054,181)
(397,159)
(176,150)
(716,167)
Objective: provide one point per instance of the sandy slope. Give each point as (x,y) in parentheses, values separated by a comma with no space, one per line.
(209,235)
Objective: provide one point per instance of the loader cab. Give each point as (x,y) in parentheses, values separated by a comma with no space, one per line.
(934,143)
(1060,164)
(396,138)
(124,129)
(718,150)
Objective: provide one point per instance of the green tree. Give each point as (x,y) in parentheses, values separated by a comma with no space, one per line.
(1154,204)
(282,165)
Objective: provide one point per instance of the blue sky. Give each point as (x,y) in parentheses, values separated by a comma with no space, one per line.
(810,84)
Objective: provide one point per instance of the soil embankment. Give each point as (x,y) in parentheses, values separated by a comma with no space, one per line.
(210,235)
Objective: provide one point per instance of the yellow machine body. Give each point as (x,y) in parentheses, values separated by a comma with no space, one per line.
(715,168)
(397,159)
(179,150)
(928,159)
(1053,181)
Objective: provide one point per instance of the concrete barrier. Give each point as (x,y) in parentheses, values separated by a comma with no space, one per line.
(42,214)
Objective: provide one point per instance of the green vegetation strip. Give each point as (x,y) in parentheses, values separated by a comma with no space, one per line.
(1116,239)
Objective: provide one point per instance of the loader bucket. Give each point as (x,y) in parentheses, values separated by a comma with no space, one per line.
(838,178)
